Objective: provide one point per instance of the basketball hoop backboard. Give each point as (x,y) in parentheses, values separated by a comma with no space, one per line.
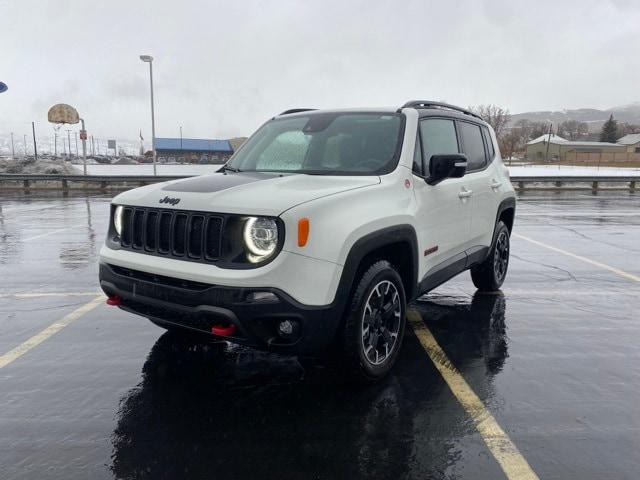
(63,113)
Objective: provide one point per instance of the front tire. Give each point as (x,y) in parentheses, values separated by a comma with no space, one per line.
(375,323)
(490,274)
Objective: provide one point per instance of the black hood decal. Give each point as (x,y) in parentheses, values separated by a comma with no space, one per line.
(216,182)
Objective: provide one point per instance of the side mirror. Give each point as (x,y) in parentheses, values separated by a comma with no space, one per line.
(453,165)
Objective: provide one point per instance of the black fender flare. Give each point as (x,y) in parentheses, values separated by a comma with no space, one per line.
(404,233)
(506,204)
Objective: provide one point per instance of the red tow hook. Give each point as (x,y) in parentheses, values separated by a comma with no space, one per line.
(223,331)
(114,300)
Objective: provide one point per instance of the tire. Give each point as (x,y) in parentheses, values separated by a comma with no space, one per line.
(489,275)
(378,306)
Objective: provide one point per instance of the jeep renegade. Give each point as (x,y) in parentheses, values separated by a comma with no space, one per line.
(318,232)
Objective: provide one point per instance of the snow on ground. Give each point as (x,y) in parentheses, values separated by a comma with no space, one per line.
(516,171)
(147,169)
(50,166)
(46,165)
(569,170)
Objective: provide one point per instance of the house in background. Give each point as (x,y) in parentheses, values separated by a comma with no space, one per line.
(193,150)
(558,148)
(631,142)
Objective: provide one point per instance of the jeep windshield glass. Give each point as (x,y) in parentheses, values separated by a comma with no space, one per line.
(324,144)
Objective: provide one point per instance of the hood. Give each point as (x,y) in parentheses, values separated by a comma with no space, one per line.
(244,193)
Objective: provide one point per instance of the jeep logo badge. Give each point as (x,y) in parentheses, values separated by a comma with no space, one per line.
(170,201)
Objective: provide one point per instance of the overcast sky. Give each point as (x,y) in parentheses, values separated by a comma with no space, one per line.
(222,68)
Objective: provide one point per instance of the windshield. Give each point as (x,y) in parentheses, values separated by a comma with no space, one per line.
(324,143)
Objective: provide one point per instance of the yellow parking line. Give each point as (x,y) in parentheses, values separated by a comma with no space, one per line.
(47,294)
(622,273)
(52,329)
(513,464)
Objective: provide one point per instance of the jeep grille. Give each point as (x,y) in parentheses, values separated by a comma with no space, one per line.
(191,235)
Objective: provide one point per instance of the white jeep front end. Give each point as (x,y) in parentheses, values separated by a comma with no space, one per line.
(317,232)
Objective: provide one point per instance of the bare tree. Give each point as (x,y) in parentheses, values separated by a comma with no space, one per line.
(573,129)
(511,142)
(495,116)
(625,128)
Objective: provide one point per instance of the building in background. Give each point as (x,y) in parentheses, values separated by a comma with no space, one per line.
(193,150)
(631,142)
(560,149)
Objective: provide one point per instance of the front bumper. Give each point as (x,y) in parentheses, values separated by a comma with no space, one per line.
(199,306)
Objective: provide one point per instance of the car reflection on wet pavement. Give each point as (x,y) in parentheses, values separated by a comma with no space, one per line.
(553,358)
(201,409)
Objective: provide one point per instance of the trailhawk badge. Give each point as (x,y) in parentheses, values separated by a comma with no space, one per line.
(170,201)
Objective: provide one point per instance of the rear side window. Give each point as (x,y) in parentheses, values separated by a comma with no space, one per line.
(489,142)
(473,145)
(438,137)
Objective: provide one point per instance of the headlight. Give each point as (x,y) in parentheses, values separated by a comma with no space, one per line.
(260,237)
(117,219)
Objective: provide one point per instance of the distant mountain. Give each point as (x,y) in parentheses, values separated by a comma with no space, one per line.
(595,118)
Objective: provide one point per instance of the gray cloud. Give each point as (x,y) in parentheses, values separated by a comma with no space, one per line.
(222,68)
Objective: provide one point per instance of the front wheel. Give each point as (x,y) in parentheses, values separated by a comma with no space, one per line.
(490,274)
(375,323)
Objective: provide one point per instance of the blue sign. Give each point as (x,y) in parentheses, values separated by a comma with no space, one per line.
(3,87)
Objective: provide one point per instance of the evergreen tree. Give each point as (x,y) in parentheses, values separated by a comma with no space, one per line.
(609,131)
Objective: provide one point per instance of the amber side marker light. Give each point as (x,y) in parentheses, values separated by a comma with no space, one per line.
(303,231)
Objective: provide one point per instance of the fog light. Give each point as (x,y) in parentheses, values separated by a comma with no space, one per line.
(285,328)
(262,297)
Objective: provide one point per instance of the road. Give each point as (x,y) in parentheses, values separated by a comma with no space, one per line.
(539,380)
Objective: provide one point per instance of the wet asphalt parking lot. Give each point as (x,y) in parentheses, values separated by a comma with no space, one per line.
(540,380)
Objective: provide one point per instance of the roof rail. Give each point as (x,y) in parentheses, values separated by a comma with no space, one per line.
(431,104)
(297,110)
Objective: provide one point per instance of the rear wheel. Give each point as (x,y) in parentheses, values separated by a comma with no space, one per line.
(375,323)
(490,274)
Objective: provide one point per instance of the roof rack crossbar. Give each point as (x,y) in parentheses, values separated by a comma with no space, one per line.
(297,110)
(431,104)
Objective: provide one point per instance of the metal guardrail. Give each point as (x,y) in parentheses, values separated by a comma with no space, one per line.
(86,182)
(104,182)
(568,182)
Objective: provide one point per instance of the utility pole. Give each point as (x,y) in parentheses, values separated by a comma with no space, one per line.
(69,141)
(549,141)
(35,147)
(83,135)
(13,150)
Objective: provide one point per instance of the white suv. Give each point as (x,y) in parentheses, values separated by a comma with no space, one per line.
(317,232)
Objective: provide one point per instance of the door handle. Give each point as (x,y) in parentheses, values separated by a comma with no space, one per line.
(495,184)
(464,193)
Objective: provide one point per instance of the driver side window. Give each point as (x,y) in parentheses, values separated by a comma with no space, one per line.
(438,137)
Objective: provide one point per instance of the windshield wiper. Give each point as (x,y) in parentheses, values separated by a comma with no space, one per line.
(227,168)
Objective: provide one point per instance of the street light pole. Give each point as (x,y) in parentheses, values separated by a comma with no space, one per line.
(149,59)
